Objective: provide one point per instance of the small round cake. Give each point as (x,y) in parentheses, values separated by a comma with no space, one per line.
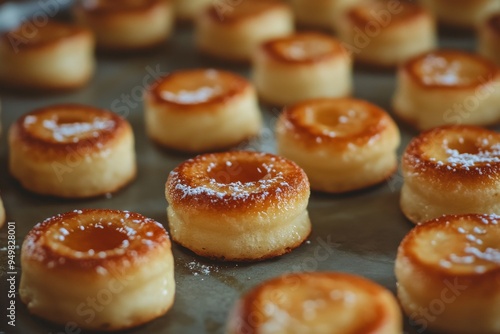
(342,144)
(201,110)
(462,13)
(302,66)
(102,270)
(384,34)
(316,302)
(489,38)
(126,26)
(234,32)
(188,11)
(58,57)
(451,170)
(238,206)
(448,273)
(72,151)
(323,14)
(447,87)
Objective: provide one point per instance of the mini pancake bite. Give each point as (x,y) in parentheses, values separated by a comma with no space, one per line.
(323,14)
(201,110)
(126,26)
(316,302)
(52,57)
(120,260)
(451,170)
(462,13)
(448,87)
(449,268)
(187,11)
(238,206)
(489,38)
(387,33)
(302,66)
(72,151)
(234,33)
(342,144)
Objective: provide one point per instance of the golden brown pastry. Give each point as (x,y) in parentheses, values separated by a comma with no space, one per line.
(302,66)
(72,151)
(54,57)
(323,14)
(238,206)
(448,273)
(384,34)
(489,38)
(201,110)
(342,144)
(189,10)
(451,170)
(234,33)
(99,269)
(447,87)
(316,302)
(124,26)
(2,213)
(462,13)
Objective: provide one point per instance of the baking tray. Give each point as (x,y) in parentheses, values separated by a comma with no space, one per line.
(356,233)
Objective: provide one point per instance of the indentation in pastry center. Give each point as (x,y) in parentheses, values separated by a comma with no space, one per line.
(464,146)
(95,237)
(336,121)
(466,153)
(440,70)
(239,172)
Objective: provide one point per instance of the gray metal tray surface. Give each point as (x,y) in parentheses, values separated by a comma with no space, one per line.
(356,233)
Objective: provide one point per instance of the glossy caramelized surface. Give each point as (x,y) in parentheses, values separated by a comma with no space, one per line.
(316,302)
(232,180)
(466,245)
(70,124)
(465,153)
(340,121)
(446,68)
(88,237)
(52,32)
(304,48)
(244,10)
(198,87)
(399,14)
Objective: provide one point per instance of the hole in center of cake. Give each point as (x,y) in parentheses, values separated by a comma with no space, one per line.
(333,118)
(233,172)
(97,237)
(464,146)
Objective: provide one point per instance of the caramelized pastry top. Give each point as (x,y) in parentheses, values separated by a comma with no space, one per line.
(67,126)
(315,301)
(50,34)
(450,69)
(236,181)
(191,89)
(343,122)
(308,47)
(450,154)
(457,245)
(244,10)
(94,239)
